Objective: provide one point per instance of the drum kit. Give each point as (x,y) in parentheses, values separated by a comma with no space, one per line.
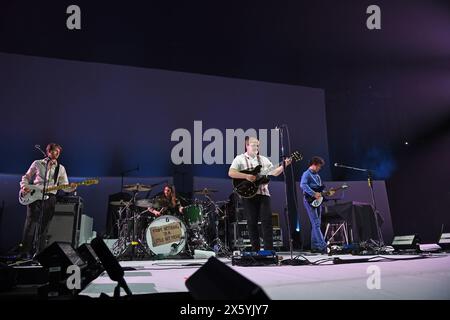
(143,235)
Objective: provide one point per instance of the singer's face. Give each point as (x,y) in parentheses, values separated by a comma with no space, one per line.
(54,154)
(252,148)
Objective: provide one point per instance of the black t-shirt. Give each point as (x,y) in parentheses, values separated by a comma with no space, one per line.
(163,203)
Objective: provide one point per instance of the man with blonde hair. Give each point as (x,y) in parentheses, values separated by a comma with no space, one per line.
(259,206)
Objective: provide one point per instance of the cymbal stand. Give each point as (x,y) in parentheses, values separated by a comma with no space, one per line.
(217,245)
(137,247)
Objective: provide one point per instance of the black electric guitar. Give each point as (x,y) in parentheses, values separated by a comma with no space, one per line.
(248,189)
(317,202)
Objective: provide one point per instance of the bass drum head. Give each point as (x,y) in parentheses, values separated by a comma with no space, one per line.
(166,236)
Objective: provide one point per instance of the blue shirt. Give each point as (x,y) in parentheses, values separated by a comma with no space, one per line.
(310,180)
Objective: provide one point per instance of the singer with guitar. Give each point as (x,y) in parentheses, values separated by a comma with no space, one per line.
(257,206)
(56,175)
(311,181)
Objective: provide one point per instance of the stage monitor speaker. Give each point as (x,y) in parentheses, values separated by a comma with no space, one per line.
(444,241)
(59,254)
(88,254)
(111,265)
(95,267)
(216,281)
(407,242)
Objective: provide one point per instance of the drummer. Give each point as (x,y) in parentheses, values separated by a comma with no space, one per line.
(167,203)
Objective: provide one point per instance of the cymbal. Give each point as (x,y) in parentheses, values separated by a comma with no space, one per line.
(205,191)
(137,187)
(144,203)
(119,203)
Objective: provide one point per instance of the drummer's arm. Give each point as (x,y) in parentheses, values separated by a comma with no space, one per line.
(180,208)
(151,210)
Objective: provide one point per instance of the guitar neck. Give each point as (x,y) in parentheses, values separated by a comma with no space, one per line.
(269,170)
(333,189)
(62,186)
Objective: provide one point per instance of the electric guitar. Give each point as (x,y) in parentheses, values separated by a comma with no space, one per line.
(317,202)
(36,191)
(248,189)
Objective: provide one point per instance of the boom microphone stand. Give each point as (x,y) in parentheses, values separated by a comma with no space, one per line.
(38,226)
(290,261)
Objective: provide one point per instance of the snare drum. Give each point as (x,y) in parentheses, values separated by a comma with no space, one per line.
(166,236)
(193,215)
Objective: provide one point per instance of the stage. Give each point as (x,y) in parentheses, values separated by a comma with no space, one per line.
(426,278)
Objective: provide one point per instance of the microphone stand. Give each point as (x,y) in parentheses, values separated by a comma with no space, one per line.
(221,247)
(290,261)
(38,226)
(372,193)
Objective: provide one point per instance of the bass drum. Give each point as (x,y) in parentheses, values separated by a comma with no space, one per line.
(166,236)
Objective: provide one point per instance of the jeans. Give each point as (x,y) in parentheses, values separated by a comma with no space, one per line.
(314,214)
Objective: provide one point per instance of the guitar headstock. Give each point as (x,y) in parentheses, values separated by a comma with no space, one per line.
(296,156)
(90,182)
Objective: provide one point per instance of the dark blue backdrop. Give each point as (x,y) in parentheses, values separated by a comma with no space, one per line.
(111,118)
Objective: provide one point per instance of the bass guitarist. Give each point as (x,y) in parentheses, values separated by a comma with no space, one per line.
(56,175)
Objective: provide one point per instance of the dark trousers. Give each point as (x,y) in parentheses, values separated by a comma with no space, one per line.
(32,223)
(258,208)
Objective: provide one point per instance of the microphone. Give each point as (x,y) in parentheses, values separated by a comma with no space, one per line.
(37,146)
(352,168)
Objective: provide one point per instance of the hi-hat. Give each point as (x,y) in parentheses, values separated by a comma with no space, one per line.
(205,191)
(120,203)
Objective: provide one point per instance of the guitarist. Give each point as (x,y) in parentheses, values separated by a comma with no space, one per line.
(56,175)
(311,181)
(257,207)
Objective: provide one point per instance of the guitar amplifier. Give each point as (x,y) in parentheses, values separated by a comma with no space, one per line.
(66,223)
(241,238)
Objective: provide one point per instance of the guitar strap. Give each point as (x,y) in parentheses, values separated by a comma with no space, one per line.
(247,163)
(259,160)
(55,176)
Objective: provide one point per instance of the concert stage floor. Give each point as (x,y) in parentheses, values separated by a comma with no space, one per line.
(427,278)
